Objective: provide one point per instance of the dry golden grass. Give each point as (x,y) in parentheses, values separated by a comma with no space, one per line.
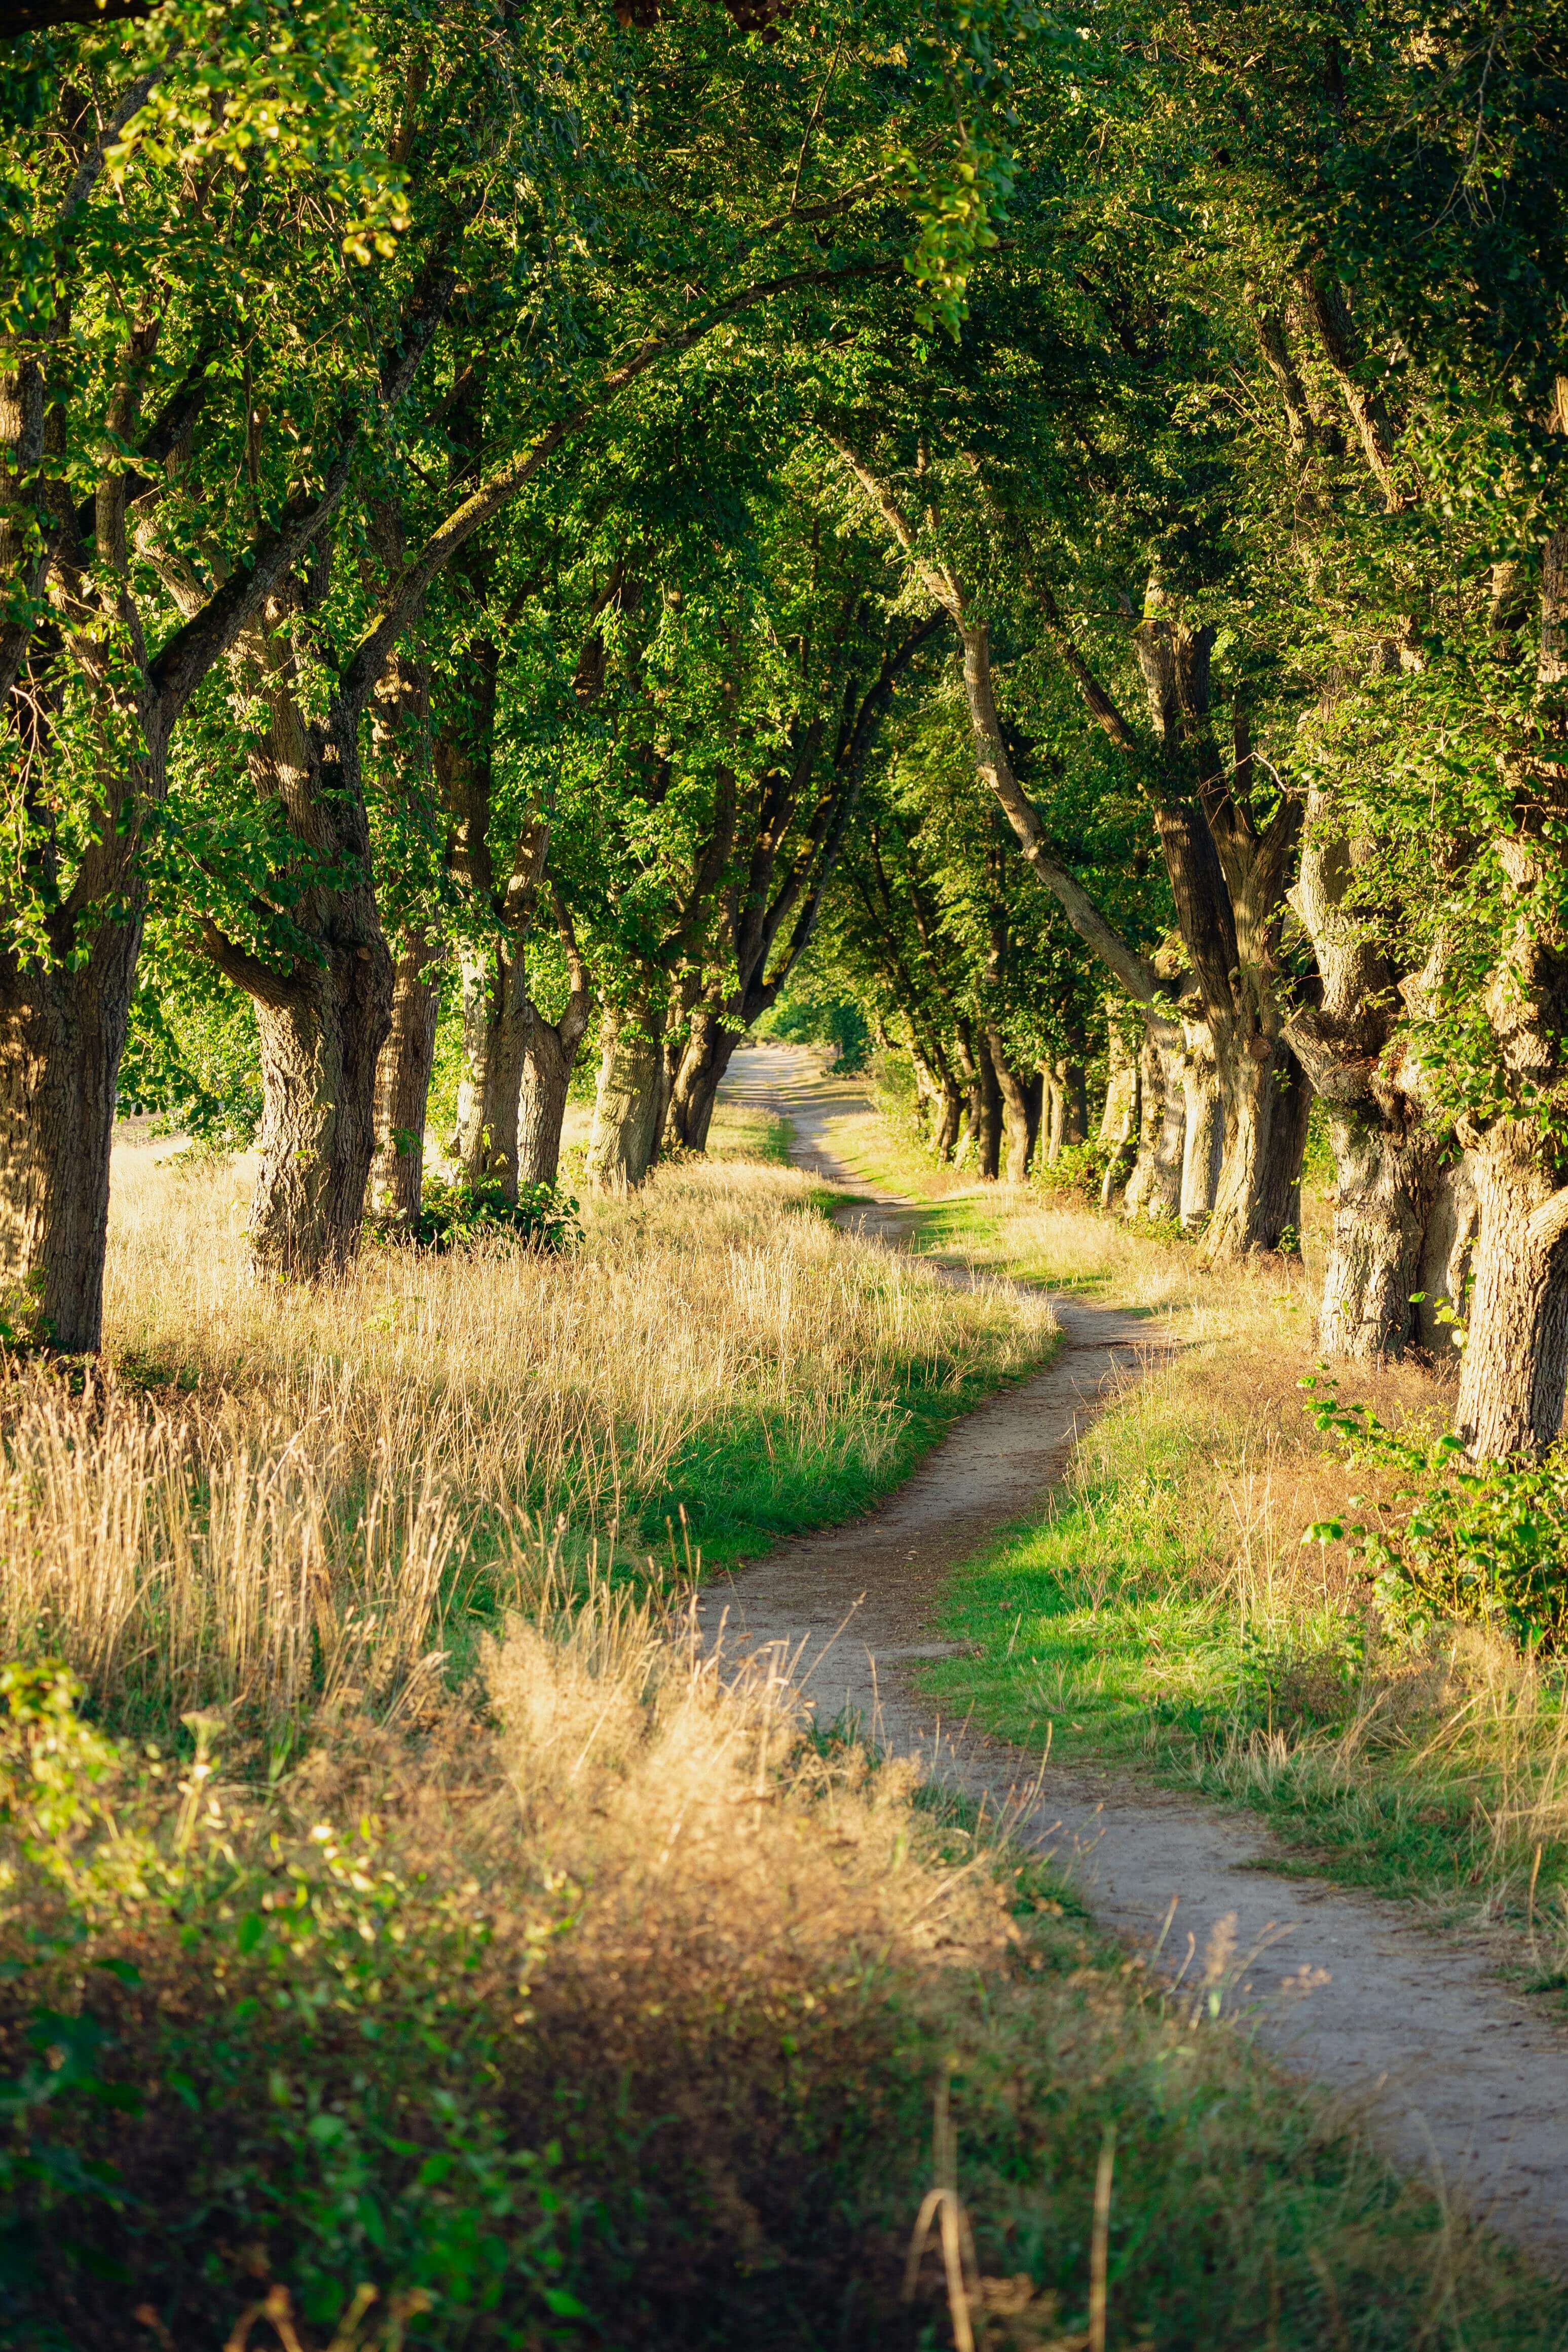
(626,1915)
(275,1493)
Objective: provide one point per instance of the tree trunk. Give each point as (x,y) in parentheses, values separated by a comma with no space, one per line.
(1446,1257)
(969,1119)
(495,1028)
(1154,1188)
(549,1057)
(928,1094)
(1066,1108)
(322,1036)
(1267,1098)
(696,1088)
(61,1036)
(988,1114)
(1516,1353)
(1014,1096)
(1385,1187)
(630,1103)
(1122,1115)
(1120,1083)
(403,1083)
(950,1115)
(1203,1140)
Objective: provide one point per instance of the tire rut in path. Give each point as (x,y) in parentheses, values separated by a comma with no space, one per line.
(1456,2077)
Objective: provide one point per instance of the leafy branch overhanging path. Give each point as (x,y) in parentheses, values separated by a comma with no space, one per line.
(1457,2078)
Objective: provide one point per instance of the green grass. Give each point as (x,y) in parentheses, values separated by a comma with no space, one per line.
(1086,1622)
(756,1484)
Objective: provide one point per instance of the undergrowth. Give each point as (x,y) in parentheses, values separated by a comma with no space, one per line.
(605,2006)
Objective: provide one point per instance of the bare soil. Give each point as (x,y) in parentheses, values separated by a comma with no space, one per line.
(1453,2075)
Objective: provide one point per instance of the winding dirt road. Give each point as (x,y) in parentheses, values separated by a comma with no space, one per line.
(1457,2078)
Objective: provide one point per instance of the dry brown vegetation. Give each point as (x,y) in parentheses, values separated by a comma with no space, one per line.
(714,1977)
(282,1496)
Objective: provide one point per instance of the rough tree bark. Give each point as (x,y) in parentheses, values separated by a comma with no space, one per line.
(1121,1118)
(1387,1154)
(402,1082)
(943,1102)
(1066,1111)
(1516,1358)
(987,1112)
(1017,1127)
(62,1033)
(1203,1141)
(320,1039)
(495,1030)
(631,1099)
(703,1062)
(1154,1187)
(323,1019)
(1447,1257)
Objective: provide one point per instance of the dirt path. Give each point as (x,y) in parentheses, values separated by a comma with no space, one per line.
(1458,2077)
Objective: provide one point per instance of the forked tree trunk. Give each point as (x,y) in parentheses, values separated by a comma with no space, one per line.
(549,1059)
(495,1028)
(61,1036)
(630,1102)
(403,1083)
(1386,1155)
(1267,1100)
(1384,1188)
(1516,1351)
(322,1033)
(702,1065)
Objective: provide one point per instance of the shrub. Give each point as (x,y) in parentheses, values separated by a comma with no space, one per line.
(1476,1546)
(1077,1170)
(455,1214)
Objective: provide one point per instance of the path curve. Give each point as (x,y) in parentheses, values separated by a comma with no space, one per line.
(1457,2078)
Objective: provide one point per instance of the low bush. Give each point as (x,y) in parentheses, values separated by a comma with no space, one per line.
(1460,1544)
(1076,1172)
(457,1214)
